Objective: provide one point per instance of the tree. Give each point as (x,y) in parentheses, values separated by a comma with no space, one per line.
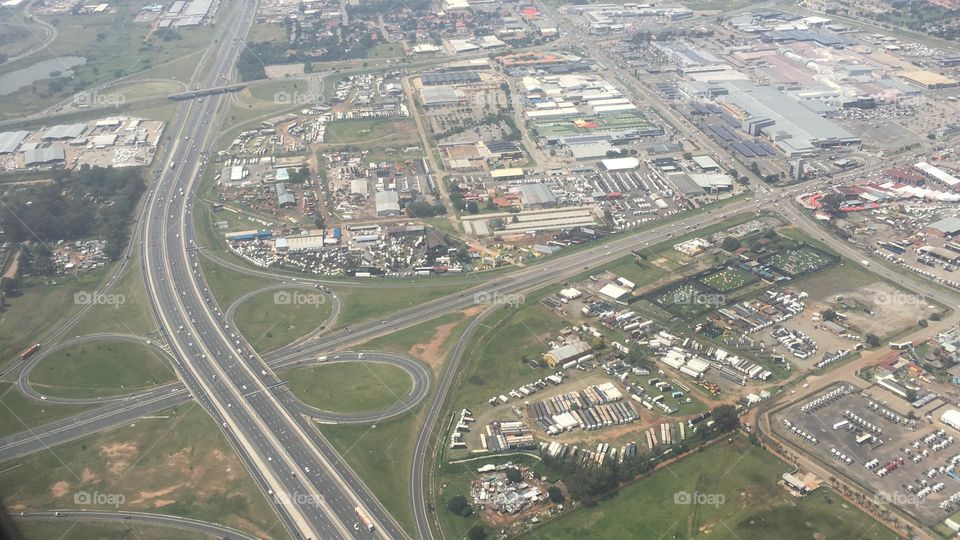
(476,533)
(556,496)
(513,475)
(828,315)
(726,418)
(730,244)
(872,340)
(459,506)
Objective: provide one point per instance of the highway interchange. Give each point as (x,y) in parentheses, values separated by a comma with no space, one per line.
(312,488)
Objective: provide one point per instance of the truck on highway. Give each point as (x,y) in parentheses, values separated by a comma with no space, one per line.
(865,262)
(364,519)
(29,352)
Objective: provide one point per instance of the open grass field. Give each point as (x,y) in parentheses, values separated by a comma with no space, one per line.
(69,529)
(361,304)
(268,323)
(394,133)
(41,308)
(261,32)
(130,316)
(739,500)
(497,358)
(227,285)
(100,368)
(385,50)
(350,387)
(176,463)
(20,413)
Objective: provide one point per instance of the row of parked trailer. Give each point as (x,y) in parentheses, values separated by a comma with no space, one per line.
(800,433)
(826,399)
(799,344)
(583,457)
(861,423)
(887,414)
(589,418)
(463,426)
(830,358)
(527,389)
(665,434)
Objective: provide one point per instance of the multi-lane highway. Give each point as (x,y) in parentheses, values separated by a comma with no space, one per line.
(315,494)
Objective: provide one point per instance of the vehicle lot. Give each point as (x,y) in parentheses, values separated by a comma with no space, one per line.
(893,436)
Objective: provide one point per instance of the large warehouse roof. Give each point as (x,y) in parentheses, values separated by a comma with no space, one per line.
(387,202)
(439,95)
(10,140)
(950,225)
(796,129)
(64,131)
(938,173)
(534,194)
(621,164)
(41,156)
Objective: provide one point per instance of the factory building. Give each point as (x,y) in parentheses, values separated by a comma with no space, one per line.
(537,196)
(388,203)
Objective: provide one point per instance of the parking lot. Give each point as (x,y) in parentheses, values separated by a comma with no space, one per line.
(916,454)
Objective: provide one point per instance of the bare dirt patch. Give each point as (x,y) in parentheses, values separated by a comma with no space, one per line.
(60,489)
(88,475)
(144,496)
(119,456)
(893,309)
(430,352)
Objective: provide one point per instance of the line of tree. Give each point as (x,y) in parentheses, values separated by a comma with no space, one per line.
(88,202)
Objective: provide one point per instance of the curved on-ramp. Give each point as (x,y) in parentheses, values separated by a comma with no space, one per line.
(23,381)
(157,520)
(416,370)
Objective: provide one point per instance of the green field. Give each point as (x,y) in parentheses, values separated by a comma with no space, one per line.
(100,368)
(272,319)
(131,314)
(68,528)
(384,132)
(227,285)
(738,499)
(497,358)
(361,304)
(40,308)
(176,462)
(350,387)
(21,413)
